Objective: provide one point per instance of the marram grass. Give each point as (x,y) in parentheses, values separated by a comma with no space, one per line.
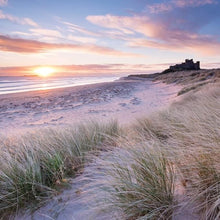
(170,163)
(32,165)
(190,132)
(140,176)
(140,182)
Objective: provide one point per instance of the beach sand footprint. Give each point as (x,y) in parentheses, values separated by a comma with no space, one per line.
(122,104)
(135,101)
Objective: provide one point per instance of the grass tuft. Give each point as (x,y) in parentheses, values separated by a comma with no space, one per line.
(171,163)
(32,166)
(144,186)
(177,148)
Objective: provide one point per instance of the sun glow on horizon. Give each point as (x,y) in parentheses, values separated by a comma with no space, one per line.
(44,71)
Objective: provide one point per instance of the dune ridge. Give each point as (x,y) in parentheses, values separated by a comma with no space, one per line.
(163,166)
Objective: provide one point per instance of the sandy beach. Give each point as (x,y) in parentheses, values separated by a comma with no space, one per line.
(124,100)
(109,110)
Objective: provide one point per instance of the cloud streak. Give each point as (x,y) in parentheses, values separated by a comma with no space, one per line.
(19,45)
(87,69)
(165,7)
(45,32)
(17,20)
(122,23)
(192,3)
(84,35)
(95,69)
(77,29)
(158,34)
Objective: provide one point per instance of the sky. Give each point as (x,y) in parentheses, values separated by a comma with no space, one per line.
(107,36)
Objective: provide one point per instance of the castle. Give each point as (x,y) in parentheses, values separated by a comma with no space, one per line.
(187,65)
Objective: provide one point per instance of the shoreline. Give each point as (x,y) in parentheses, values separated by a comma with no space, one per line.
(51,83)
(123,100)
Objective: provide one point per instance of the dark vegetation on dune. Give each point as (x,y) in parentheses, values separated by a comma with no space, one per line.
(189,79)
(147,161)
(34,166)
(169,162)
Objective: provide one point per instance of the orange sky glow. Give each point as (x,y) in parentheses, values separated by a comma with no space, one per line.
(109,37)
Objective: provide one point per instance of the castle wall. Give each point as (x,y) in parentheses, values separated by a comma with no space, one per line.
(188,65)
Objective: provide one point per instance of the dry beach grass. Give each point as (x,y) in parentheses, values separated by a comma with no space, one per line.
(190,80)
(160,165)
(33,165)
(171,164)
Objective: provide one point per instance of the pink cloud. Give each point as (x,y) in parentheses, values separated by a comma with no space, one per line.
(83,35)
(88,69)
(169,5)
(81,39)
(125,24)
(14,19)
(45,32)
(121,23)
(3,2)
(158,34)
(19,45)
(199,46)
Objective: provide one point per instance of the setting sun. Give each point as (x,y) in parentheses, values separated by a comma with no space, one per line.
(44,71)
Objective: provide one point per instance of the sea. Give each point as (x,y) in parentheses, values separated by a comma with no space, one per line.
(15,84)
